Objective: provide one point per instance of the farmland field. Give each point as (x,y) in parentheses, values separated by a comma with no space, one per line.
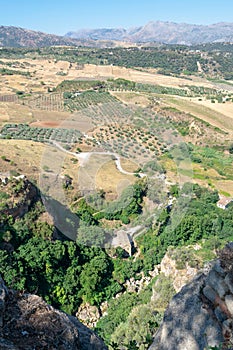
(137,114)
(209,114)
(128,151)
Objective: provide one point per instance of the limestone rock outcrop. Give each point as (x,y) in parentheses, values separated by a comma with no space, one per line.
(200,316)
(180,277)
(21,199)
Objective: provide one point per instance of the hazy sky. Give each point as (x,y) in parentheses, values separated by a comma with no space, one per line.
(59,16)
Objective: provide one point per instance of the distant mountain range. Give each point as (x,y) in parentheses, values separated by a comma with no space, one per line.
(163,32)
(19,37)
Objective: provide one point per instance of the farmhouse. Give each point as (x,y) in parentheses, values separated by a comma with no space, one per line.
(224,202)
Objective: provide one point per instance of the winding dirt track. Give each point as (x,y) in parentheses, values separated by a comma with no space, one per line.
(83,158)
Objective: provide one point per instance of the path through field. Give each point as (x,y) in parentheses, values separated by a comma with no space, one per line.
(84,157)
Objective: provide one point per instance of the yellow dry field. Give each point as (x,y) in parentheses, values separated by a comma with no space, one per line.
(43,75)
(138,76)
(47,73)
(195,173)
(17,113)
(22,156)
(128,165)
(27,157)
(223,108)
(212,177)
(100,171)
(134,98)
(206,113)
(111,180)
(14,113)
(225,187)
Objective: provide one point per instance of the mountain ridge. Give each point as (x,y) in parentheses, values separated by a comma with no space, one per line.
(160,31)
(11,36)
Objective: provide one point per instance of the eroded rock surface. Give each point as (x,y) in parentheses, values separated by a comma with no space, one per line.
(200,316)
(29,323)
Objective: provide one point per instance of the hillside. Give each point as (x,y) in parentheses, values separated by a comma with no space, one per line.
(164,32)
(19,37)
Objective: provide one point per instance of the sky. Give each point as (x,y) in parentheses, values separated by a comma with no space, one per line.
(59,16)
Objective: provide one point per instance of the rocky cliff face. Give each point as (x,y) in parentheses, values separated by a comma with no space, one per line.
(201,314)
(28,323)
(180,277)
(21,195)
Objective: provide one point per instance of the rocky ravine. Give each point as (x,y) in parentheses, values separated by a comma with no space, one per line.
(200,316)
(28,323)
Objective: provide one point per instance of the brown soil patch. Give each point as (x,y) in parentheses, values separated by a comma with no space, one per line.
(62,120)
(46,124)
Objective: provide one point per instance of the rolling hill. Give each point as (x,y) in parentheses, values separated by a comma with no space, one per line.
(19,37)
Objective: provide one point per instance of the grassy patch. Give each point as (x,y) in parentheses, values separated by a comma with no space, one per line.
(205,113)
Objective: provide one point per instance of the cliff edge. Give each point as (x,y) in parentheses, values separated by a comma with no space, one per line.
(29,323)
(200,316)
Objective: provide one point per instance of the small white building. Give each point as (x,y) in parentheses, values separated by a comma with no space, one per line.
(224,202)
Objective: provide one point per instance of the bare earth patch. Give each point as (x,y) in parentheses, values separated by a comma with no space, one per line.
(111,180)
(62,120)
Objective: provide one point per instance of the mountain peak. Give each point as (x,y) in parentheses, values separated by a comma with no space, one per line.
(160,31)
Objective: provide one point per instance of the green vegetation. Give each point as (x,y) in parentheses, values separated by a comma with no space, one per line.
(212,158)
(81,100)
(6,71)
(37,258)
(68,273)
(120,84)
(25,132)
(79,85)
(128,205)
(131,317)
(168,59)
